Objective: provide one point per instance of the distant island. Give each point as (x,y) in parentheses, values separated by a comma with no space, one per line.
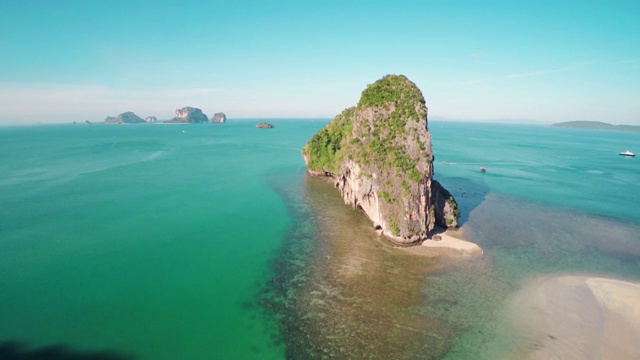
(264,125)
(188,115)
(125,118)
(597,125)
(219,118)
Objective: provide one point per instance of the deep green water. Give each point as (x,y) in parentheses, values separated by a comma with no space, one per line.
(210,242)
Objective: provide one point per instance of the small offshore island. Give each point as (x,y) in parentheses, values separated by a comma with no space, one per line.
(186,115)
(379,156)
(264,125)
(596,125)
(125,118)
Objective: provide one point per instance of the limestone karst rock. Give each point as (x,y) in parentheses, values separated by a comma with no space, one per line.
(189,115)
(379,156)
(219,117)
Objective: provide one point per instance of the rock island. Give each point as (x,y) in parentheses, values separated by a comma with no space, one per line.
(219,117)
(188,115)
(378,153)
(124,118)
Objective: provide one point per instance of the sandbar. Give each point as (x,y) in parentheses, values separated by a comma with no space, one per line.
(577,317)
(447,243)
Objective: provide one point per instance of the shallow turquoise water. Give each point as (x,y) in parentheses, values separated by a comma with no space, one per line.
(193,241)
(553,201)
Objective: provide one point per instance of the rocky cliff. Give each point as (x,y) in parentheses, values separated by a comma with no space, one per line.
(124,118)
(379,156)
(189,115)
(219,118)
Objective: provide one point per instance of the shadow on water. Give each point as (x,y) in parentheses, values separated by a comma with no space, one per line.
(15,350)
(469,194)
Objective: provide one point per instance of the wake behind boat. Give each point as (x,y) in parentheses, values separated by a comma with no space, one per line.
(627,153)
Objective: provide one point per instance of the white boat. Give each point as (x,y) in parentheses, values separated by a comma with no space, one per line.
(627,153)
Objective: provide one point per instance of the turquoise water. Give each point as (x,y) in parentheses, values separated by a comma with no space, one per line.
(578,169)
(149,241)
(209,241)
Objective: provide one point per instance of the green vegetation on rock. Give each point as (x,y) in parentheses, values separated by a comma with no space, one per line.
(392,89)
(324,148)
(125,118)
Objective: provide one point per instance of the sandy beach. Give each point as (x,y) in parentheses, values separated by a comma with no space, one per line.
(577,317)
(450,243)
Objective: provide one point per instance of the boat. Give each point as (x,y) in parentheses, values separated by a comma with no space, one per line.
(627,153)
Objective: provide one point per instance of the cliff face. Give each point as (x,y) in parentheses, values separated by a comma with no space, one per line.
(379,155)
(219,118)
(189,115)
(124,118)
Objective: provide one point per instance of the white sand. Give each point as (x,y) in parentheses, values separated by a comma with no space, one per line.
(447,244)
(577,317)
(447,241)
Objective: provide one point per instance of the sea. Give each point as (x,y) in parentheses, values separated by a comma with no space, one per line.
(210,241)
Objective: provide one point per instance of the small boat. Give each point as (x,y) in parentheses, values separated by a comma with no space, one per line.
(627,153)
(483,169)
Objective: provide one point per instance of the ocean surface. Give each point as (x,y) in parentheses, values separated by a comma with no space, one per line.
(209,241)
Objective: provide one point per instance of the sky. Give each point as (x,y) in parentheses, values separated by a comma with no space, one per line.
(515,61)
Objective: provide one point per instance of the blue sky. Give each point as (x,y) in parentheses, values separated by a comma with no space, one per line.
(517,61)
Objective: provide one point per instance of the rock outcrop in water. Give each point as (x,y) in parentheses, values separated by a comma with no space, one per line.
(151,119)
(189,115)
(219,118)
(124,118)
(264,125)
(379,156)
